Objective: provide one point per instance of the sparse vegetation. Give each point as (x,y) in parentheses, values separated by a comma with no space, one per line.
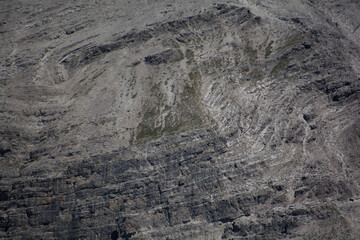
(133,81)
(189,56)
(194,76)
(256,75)
(268,49)
(180,120)
(282,63)
(292,40)
(171,124)
(184,114)
(147,131)
(147,125)
(250,52)
(179,55)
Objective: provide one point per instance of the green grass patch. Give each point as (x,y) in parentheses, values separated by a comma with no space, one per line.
(147,131)
(171,124)
(179,56)
(282,63)
(146,127)
(163,119)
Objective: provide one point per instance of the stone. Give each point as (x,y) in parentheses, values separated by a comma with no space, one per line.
(180,119)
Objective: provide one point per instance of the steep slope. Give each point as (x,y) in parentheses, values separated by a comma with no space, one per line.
(187,120)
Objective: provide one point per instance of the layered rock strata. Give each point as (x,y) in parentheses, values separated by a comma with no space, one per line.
(205,120)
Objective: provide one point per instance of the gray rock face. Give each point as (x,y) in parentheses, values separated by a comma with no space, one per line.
(180,120)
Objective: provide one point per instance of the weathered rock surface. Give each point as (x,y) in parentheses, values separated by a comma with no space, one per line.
(180,120)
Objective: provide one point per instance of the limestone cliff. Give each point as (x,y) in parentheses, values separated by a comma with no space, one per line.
(186,119)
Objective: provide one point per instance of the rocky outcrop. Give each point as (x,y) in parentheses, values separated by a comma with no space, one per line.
(180,120)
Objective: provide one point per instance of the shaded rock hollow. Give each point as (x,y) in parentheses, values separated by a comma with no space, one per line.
(191,120)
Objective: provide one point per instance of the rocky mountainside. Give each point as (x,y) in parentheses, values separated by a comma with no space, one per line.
(186,119)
